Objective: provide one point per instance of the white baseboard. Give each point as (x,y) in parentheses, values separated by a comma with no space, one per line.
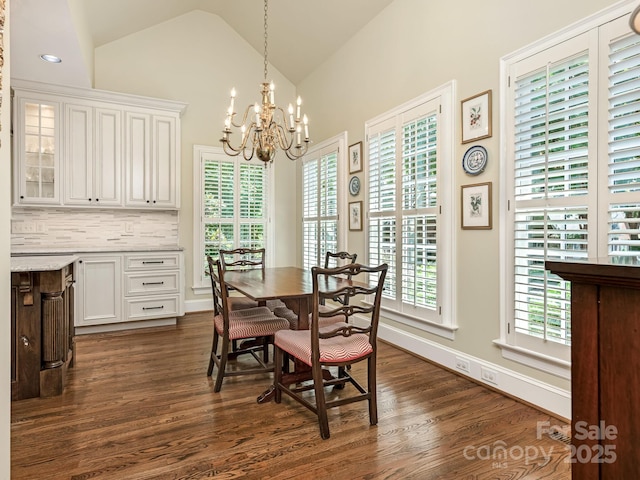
(535,392)
(547,397)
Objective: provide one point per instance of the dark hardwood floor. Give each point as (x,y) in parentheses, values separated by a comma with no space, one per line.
(138,405)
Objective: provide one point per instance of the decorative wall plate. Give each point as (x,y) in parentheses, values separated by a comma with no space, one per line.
(354,186)
(474,160)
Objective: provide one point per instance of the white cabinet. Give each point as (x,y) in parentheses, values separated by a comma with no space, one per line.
(36,150)
(153,285)
(151,152)
(79,147)
(93,156)
(99,290)
(129,290)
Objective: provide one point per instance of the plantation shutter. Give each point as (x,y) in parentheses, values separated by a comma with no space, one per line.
(382,203)
(320,206)
(551,187)
(403,208)
(623,185)
(235,201)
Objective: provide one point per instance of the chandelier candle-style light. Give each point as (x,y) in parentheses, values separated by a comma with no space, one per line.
(266,127)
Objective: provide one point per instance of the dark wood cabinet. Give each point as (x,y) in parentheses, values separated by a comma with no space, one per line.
(605,368)
(42,331)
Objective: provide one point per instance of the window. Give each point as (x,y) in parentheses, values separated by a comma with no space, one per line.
(320,205)
(410,209)
(230,206)
(572,175)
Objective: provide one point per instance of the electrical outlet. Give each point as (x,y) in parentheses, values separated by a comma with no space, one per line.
(462,365)
(488,375)
(28,227)
(41,227)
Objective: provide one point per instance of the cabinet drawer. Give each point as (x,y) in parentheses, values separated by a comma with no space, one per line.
(150,283)
(163,261)
(151,307)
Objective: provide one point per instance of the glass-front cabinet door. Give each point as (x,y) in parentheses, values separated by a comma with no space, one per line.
(37,151)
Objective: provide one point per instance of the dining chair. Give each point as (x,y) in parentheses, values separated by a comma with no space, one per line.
(255,325)
(337,344)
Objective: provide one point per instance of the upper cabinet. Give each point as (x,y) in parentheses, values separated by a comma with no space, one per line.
(152,149)
(93,157)
(37,150)
(89,148)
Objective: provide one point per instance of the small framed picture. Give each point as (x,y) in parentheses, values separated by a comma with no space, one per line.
(355,157)
(355,215)
(476,117)
(476,206)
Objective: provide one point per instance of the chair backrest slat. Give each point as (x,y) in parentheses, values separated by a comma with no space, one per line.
(334,260)
(359,280)
(242,258)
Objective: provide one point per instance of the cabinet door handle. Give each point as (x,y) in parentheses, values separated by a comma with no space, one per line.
(152,283)
(147,262)
(153,308)
(25,340)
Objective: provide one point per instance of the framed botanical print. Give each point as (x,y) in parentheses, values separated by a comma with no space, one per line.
(476,206)
(355,216)
(476,117)
(355,157)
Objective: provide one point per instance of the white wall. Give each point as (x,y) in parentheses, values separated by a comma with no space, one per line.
(197,58)
(414,46)
(5,260)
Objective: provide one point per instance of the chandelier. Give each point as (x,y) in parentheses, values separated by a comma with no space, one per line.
(265,128)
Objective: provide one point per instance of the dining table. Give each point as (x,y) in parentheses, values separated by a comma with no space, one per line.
(292,285)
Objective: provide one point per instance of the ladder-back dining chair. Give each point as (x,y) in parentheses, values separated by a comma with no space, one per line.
(249,323)
(338,344)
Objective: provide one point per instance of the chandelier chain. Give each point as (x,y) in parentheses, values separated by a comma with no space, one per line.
(265,40)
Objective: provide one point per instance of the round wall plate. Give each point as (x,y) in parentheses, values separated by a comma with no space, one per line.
(474,160)
(354,186)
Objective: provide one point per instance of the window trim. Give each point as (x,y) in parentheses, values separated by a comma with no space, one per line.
(447,204)
(199,285)
(529,357)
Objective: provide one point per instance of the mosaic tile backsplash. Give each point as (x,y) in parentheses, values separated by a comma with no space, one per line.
(58,227)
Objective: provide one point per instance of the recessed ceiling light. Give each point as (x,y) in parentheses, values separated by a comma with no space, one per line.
(50,58)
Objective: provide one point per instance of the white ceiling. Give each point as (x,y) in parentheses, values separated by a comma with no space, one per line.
(302,34)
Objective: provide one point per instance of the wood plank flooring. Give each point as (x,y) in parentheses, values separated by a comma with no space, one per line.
(138,405)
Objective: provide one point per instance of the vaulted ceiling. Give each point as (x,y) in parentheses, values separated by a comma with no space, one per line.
(302,34)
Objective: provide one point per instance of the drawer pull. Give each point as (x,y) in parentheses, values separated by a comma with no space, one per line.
(147,262)
(153,308)
(152,283)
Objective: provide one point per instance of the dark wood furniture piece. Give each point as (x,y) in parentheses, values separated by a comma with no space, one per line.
(42,327)
(605,368)
(338,344)
(258,324)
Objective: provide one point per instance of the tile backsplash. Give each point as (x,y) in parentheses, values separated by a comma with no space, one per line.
(59,227)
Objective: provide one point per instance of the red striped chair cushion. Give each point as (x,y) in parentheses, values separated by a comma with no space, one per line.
(334,349)
(249,326)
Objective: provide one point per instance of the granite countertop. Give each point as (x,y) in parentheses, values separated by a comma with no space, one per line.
(41,263)
(19,250)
